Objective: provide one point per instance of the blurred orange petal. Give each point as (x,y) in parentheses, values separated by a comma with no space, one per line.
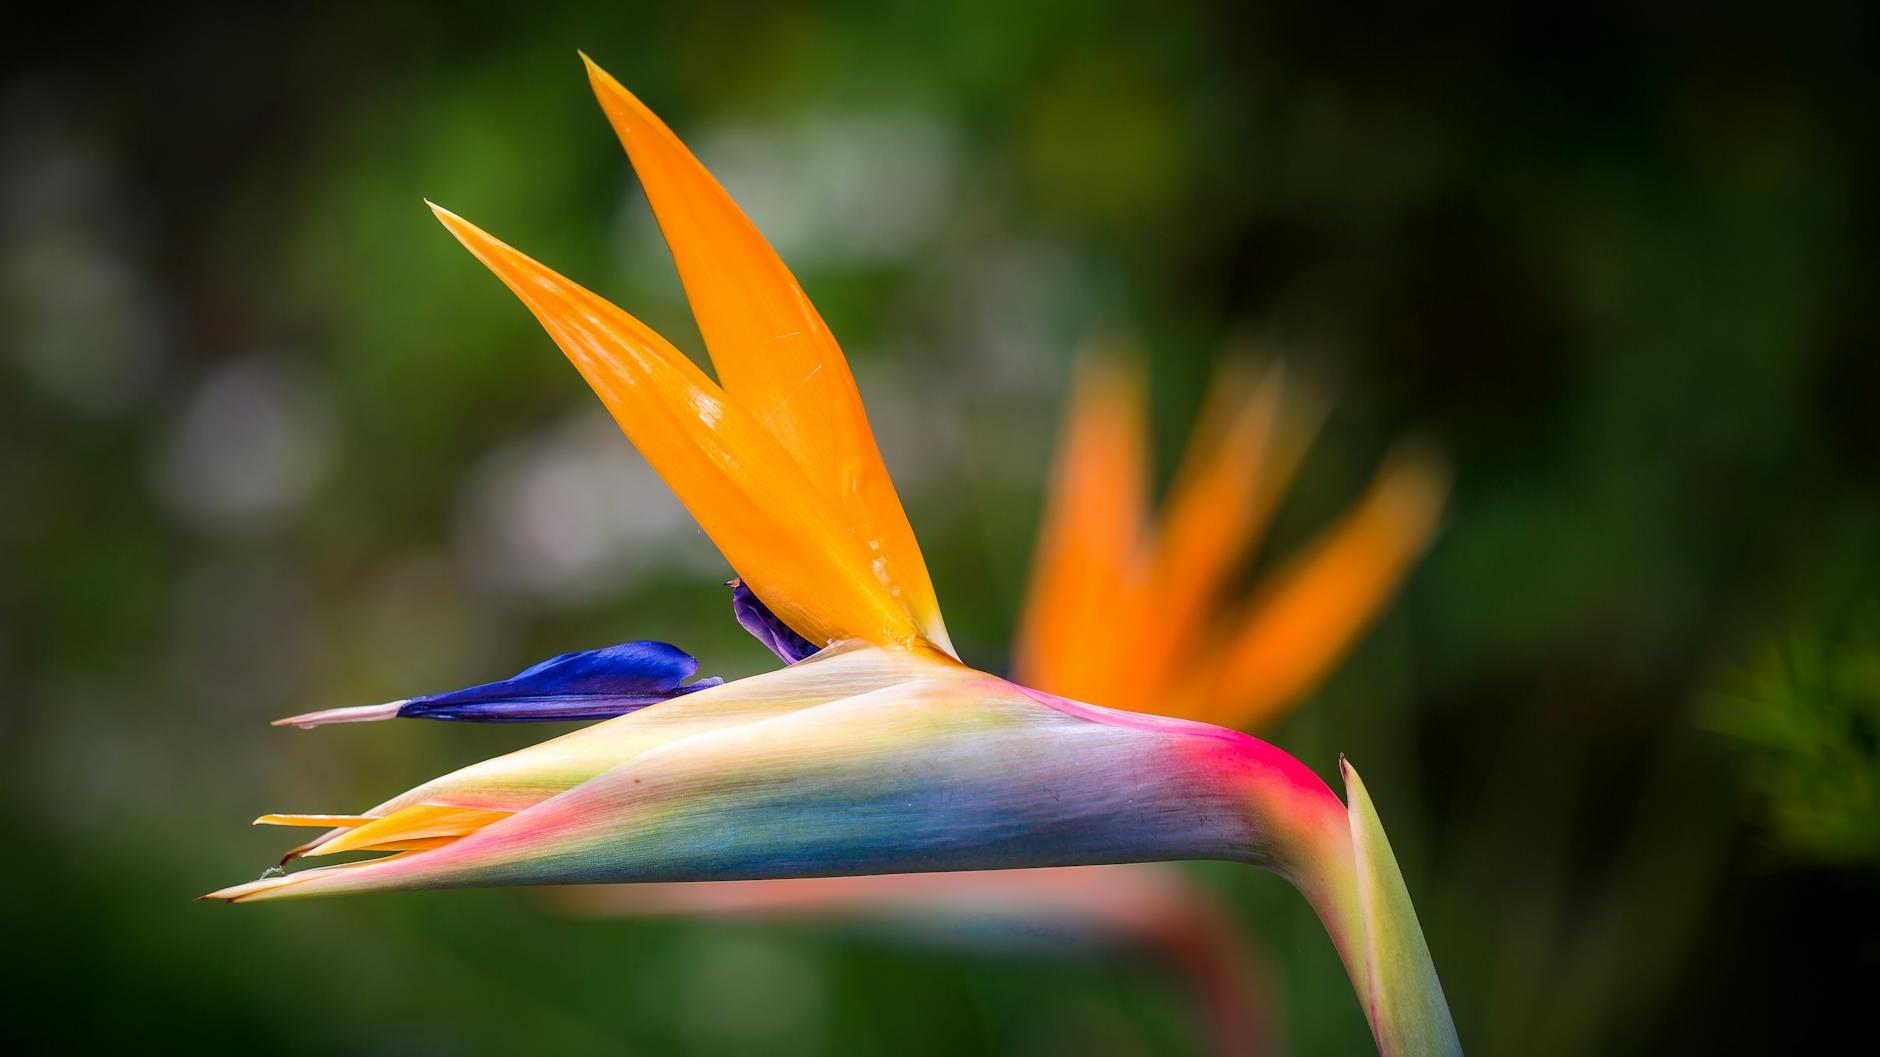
(1075,628)
(1221,498)
(773,354)
(1309,612)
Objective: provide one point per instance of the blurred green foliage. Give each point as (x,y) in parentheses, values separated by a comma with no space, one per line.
(1809,711)
(270,442)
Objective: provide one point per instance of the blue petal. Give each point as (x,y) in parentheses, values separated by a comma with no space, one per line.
(757,619)
(591,684)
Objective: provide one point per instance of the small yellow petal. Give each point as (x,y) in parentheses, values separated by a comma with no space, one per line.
(317,821)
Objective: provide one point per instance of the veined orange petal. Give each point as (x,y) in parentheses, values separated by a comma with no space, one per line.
(419,824)
(413,844)
(1073,632)
(773,354)
(747,493)
(1311,610)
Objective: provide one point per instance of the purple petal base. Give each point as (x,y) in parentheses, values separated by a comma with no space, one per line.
(764,625)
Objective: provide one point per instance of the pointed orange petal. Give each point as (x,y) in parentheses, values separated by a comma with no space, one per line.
(412,829)
(1311,610)
(1071,638)
(746,492)
(771,349)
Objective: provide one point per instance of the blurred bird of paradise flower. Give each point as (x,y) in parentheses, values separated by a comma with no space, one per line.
(880,753)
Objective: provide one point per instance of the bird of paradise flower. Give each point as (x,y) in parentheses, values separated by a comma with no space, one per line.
(1155,592)
(880,753)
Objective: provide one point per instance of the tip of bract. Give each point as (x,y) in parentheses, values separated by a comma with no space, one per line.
(1403,998)
(263,888)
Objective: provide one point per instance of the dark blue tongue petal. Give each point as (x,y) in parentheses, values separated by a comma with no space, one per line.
(591,684)
(764,625)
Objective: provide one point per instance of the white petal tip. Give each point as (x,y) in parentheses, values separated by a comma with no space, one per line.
(360,714)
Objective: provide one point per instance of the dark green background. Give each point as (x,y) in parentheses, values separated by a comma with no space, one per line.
(270,441)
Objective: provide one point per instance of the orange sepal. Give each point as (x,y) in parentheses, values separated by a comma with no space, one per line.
(772,351)
(743,488)
(414,828)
